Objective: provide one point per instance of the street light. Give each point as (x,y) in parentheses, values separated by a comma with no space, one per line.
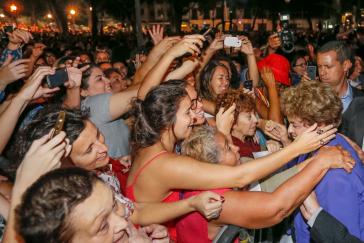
(72,12)
(49,16)
(2,15)
(13,8)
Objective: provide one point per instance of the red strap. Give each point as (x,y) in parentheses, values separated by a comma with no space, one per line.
(146,164)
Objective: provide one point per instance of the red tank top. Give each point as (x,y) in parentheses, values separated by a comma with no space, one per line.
(193,227)
(172,197)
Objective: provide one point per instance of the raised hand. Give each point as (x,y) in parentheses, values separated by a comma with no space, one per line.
(164,45)
(225,119)
(268,77)
(19,37)
(246,46)
(33,89)
(43,156)
(189,44)
(216,44)
(12,71)
(156,33)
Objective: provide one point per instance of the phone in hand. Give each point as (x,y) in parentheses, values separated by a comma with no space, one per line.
(311,72)
(58,78)
(59,123)
(248,84)
(8,28)
(232,41)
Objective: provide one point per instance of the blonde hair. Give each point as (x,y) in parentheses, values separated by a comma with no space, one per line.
(313,102)
(201,144)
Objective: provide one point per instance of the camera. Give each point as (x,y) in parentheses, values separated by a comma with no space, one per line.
(286,35)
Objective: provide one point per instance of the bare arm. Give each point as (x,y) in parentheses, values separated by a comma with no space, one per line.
(155,54)
(247,49)
(262,209)
(274,105)
(183,71)
(120,102)
(10,116)
(183,169)
(156,75)
(207,203)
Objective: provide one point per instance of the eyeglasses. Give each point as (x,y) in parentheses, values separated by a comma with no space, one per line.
(194,102)
(301,65)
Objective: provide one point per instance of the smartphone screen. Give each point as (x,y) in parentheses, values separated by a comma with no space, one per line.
(8,29)
(248,84)
(57,79)
(311,72)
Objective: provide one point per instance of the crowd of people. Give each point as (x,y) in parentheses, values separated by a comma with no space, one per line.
(179,139)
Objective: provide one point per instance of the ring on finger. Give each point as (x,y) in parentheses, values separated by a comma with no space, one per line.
(320,131)
(322,142)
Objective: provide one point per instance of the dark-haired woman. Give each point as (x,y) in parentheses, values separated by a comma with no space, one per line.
(106,110)
(162,119)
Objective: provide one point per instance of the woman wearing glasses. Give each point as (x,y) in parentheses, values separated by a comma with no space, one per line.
(298,69)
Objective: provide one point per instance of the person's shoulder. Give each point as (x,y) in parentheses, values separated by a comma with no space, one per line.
(357,92)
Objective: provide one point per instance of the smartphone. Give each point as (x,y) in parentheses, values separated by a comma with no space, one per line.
(248,84)
(59,123)
(311,72)
(231,41)
(8,28)
(57,79)
(207,31)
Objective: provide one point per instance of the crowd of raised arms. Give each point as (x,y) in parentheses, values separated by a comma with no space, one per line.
(185,139)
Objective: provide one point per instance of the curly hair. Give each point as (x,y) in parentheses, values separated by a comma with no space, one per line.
(201,144)
(156,112)
(204,85)
(243,102)
(46,207)
(313,102)
(40,125)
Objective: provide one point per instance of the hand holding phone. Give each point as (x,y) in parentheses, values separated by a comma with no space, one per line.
(232,41)
(58,78)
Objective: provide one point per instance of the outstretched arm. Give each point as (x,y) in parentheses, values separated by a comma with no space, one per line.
(262,209)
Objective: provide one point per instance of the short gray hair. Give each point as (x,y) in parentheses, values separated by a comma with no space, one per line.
(201,144)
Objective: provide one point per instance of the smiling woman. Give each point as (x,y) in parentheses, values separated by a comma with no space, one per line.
(245,120)
(214,80)
(70,205)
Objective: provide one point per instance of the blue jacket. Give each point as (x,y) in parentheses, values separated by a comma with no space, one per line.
(339,193)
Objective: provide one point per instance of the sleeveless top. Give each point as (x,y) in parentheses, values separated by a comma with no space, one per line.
(172,197)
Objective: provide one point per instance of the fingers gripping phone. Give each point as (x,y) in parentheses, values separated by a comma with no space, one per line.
(311,72)
(59,123)
(231,41)
(8,28)
(58,78)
